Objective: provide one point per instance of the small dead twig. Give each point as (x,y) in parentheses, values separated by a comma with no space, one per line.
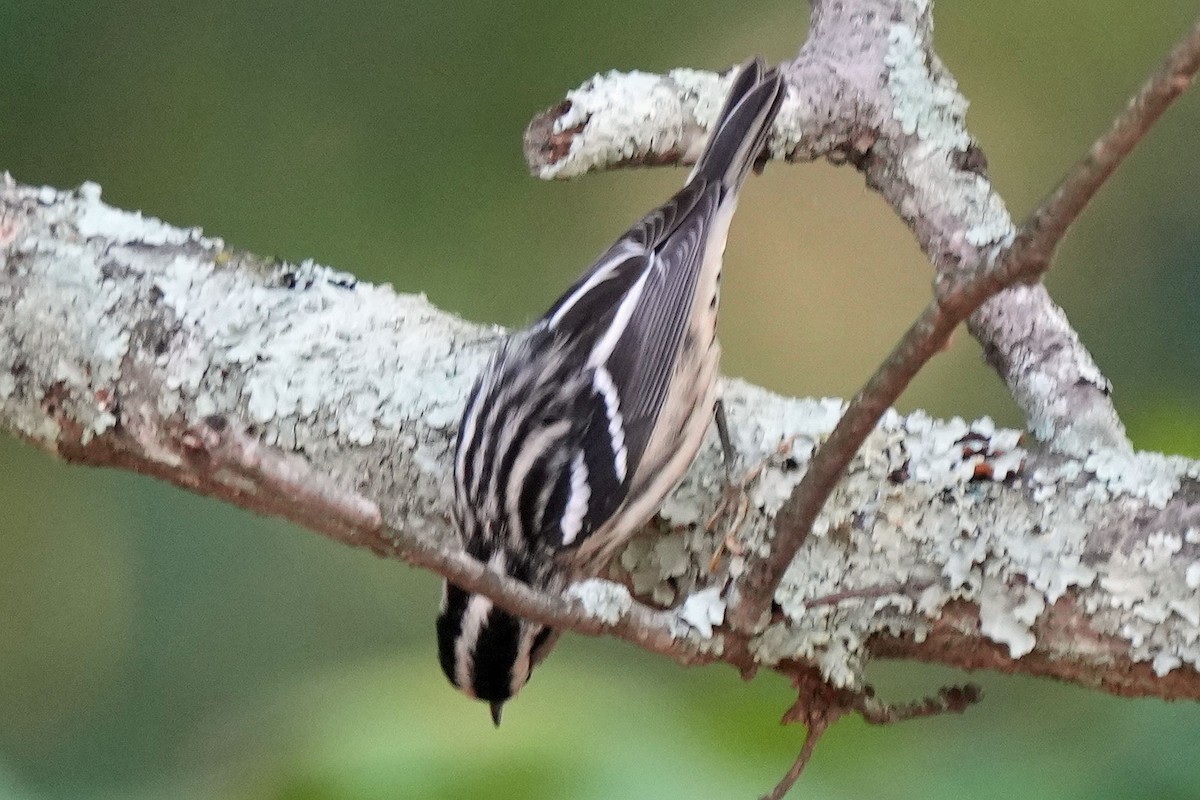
(949,700)
(818,705)
(868,593)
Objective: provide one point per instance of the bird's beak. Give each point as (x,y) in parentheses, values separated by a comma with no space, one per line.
(497,707)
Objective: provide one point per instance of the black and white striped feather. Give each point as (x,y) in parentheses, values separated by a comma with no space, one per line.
(580,425)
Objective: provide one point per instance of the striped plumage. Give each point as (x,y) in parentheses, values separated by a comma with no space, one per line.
(580,425)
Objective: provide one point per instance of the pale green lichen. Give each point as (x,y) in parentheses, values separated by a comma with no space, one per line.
(62,289)
(308,357)
(96,218)
(927,105)
(601,599)
(1155,480)
(1007,616)
(703,609)
(627,115)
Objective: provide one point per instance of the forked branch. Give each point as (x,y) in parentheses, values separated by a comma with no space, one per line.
(960,290)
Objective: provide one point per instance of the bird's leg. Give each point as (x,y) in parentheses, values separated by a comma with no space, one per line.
(734,504)
(726,442)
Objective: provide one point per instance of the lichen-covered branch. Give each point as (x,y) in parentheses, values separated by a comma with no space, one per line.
(296,390)
(867,89)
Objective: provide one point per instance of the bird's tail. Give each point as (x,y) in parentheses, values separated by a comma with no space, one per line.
(741,130)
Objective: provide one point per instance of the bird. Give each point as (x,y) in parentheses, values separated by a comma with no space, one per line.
(581,424)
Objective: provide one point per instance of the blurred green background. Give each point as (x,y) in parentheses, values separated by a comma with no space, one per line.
(154,644)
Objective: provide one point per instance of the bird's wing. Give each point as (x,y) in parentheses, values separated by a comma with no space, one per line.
(628,315)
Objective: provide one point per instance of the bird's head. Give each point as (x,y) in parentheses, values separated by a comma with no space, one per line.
(485,651)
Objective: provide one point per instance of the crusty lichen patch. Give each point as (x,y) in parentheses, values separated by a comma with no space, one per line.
(68,289)
(635,116)
(363,381)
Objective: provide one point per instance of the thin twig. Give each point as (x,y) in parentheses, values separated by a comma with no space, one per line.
(818,705)
(958,296)
(868,593)
(949,700)
(816,729)
(1042,231)
(795,519)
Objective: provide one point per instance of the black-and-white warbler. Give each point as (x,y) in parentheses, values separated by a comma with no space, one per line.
(581,425)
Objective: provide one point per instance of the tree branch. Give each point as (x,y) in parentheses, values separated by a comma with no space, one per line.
(960,291)
(295,390)
(865,89)
(906,132)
